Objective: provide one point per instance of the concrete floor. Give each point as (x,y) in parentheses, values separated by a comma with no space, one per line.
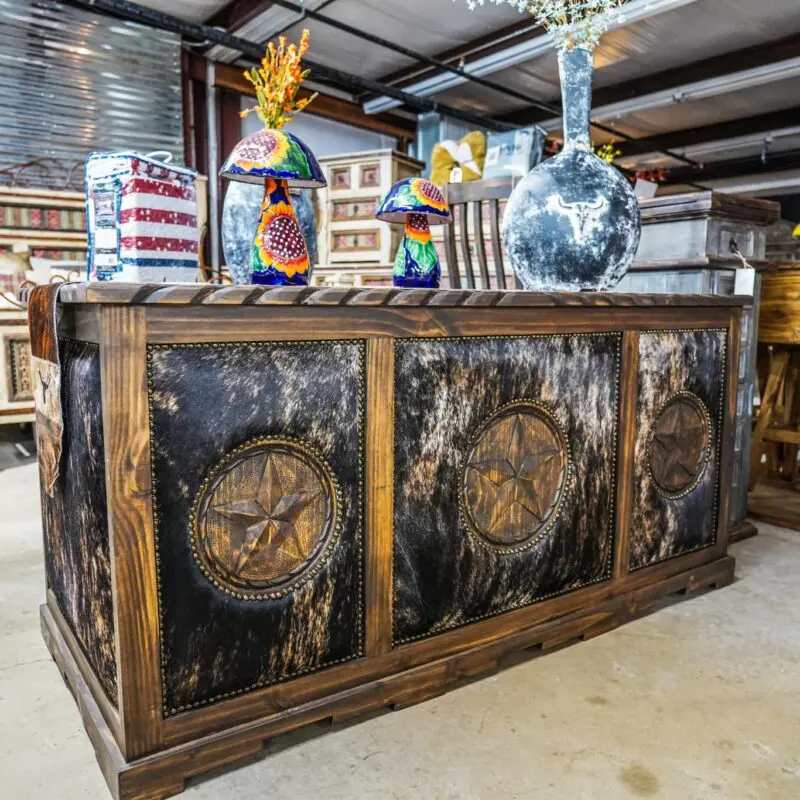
(700,700)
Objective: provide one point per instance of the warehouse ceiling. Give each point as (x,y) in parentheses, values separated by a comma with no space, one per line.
(716,81)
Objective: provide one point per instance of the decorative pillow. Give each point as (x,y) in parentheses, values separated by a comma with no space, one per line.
(466,156)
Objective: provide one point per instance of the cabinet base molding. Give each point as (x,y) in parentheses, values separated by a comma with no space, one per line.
(162,774)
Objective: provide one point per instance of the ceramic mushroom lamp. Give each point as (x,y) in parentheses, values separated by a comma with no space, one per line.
(278,160)
(418,204)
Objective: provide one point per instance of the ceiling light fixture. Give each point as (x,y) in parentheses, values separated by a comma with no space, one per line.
(700,90)
(697,151)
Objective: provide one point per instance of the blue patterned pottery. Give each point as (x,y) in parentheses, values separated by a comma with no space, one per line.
(279,255)
(418,204)
(241,213)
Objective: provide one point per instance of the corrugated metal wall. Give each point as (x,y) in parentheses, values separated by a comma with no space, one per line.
(72,82)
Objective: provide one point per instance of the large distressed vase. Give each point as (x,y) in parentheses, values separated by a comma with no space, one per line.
(573,223)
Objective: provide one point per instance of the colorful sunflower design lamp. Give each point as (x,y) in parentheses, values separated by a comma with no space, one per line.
(419,204)
(278,160)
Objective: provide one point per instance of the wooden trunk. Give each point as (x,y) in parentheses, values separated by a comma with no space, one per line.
(277,506)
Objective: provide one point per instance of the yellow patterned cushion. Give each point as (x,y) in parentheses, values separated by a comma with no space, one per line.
(467,154)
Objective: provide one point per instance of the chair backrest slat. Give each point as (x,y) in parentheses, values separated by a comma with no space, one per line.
(450,255)
(480,244)
(497,251)
(463,234)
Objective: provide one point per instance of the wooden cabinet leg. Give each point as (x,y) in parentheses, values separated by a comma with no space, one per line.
(775,381)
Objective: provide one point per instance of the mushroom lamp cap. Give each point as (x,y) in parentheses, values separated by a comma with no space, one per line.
(414,196)
(273,154)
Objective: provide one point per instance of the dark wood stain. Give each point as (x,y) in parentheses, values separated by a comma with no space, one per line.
(201,294)
(232,366)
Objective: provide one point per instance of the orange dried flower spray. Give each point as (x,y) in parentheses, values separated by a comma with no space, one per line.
(277,82)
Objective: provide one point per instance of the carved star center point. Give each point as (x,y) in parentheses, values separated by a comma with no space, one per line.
(519,462)
(269,520)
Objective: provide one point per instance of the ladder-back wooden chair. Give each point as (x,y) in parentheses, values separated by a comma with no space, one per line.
(467,202)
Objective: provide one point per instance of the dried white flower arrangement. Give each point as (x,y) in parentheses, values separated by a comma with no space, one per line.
(573,23)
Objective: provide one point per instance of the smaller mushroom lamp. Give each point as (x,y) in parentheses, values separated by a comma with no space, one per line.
(419,204)
(278,160)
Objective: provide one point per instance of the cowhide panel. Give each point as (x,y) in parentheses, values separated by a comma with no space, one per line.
(678,434)
(505,459)
(76,533)
(257,464)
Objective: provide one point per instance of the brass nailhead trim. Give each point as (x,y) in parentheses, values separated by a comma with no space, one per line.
(361,344)
(695,482)
(717,442)
(609,569)
(549,414)
(304,576)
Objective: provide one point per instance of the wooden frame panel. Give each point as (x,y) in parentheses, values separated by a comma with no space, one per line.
(126,427)
(379,519)
(627,436)
(729,432)
(196,325)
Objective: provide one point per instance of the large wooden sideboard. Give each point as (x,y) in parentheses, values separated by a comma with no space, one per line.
(278,506)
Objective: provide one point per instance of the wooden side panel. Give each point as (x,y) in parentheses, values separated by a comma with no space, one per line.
(676,460)
(130,516)
(76,536)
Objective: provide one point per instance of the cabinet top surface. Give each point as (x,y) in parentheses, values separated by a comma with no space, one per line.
(246,295)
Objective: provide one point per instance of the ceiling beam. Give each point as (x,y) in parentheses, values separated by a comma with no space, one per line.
(237,13)
(671,81)
(485,45)
(704,70)
(733,168)
(510,56)
(329,76)
(335,108)
(732,129)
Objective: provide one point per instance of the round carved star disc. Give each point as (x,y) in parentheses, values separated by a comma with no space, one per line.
(515,475)
(679,444)
(265,518)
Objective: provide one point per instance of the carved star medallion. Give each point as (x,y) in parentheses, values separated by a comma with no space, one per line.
(515,476)
(679,444)
(269,521)
(266,516)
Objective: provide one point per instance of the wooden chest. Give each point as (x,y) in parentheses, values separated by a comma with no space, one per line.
(277,506)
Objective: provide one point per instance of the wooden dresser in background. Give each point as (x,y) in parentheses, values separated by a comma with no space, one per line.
(45,229)
(357,182)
